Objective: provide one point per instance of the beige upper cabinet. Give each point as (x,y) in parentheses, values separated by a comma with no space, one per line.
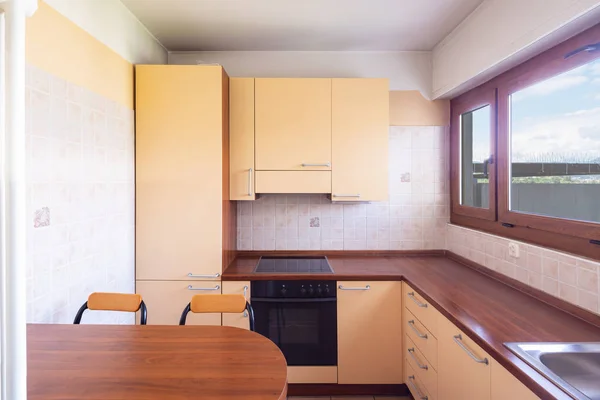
(241,138)
(360,124)
(293,124)
(506,386)
(463,367)
(181,112)
(369,332)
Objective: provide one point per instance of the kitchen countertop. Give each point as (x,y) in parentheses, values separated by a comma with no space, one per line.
(490,311)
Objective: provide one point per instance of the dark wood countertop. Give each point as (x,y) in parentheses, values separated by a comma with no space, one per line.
(489,308)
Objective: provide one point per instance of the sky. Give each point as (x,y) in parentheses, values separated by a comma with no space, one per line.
(554,120)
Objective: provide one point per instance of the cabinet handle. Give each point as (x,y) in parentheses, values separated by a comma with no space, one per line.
(204,276)
(412,296)
(458,340)
(246,297)
(250,182)
(217,287)
(368,287)
(415,388)
(327,164)
(411,323)
(347,195)
(411,352)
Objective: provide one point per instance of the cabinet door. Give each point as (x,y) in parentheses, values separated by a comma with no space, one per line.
(360,125)
(506,386)
(165,301)
(463,373)
(241,138)
(179,160)
(237,320)
(369,332)
(293,124)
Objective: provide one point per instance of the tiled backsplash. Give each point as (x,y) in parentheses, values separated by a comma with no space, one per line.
(80,161)
(415,216)
(562,275)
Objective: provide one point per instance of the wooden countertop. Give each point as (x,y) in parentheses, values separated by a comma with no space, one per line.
(152,362)
(488,310)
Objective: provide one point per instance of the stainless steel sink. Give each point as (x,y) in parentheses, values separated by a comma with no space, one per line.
(574,367)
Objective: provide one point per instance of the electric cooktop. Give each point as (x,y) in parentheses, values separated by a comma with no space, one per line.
(293,265)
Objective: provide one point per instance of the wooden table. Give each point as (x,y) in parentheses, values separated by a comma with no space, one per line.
(153,362)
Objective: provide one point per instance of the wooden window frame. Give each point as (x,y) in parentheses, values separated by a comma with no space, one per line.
(475,100)
(573,236)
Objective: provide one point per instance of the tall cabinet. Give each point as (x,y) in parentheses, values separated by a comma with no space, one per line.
(185,222)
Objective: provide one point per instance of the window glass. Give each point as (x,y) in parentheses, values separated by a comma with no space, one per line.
(475,153)
(555,146)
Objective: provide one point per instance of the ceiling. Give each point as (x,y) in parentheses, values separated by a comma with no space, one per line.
(311,25)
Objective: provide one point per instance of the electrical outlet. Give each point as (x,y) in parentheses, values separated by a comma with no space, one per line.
(513,250)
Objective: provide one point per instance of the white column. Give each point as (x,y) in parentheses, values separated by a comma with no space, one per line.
(14,366)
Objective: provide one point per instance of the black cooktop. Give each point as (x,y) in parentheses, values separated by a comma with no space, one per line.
(294,265)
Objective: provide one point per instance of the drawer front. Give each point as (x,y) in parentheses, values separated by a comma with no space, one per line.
(166,300)
(421,309)
(293,181)
(425,372)
(421,337)
(415,385)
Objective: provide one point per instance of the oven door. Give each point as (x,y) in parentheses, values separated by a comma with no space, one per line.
(304,329)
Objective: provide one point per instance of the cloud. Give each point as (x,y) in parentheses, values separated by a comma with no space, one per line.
(549,86)
(596,81)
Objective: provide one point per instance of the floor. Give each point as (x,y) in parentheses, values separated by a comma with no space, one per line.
(350,398)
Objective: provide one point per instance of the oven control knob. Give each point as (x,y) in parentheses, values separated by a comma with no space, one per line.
(319,290)
(283,290)
(326,291)
(311,291)
(303,290)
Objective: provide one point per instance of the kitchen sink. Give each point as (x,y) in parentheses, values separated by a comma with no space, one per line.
(574,367)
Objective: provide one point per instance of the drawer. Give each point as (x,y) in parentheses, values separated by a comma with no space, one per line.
(421,337)
(421,309)
(425,372)
(414,383)
(293,182)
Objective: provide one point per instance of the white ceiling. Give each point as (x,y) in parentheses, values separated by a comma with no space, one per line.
(318,25)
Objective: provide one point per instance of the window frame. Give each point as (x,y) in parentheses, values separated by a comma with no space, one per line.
(475,100)
(558,233)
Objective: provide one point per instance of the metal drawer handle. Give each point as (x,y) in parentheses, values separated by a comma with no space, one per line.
(347,195)
(458,340)
(415,388)
(368,287)
(411,323)
(217,287)
(204,276)
(327,164)
(412,296)
(246,297)
(250,182)
(411,351)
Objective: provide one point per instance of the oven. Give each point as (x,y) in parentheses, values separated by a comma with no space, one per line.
(300,317)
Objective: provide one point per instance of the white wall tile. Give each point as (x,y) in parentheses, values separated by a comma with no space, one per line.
(81,170)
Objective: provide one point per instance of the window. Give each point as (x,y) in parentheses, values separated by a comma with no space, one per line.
(526,162)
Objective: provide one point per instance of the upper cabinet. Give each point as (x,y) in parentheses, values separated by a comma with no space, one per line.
(309,135)
(293,124)
(360,124)
(241,138)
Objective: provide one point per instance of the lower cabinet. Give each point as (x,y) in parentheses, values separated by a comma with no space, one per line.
(165,301)
(506,386)
(237,320)
(369,332)
(463,367)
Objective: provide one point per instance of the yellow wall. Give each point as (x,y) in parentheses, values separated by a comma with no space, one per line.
(58,46)
(410,108)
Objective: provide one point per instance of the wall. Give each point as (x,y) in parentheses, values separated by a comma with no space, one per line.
(112,24)
(414,218)
(562,275)
(501,34)
(80,162)
(405,70)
